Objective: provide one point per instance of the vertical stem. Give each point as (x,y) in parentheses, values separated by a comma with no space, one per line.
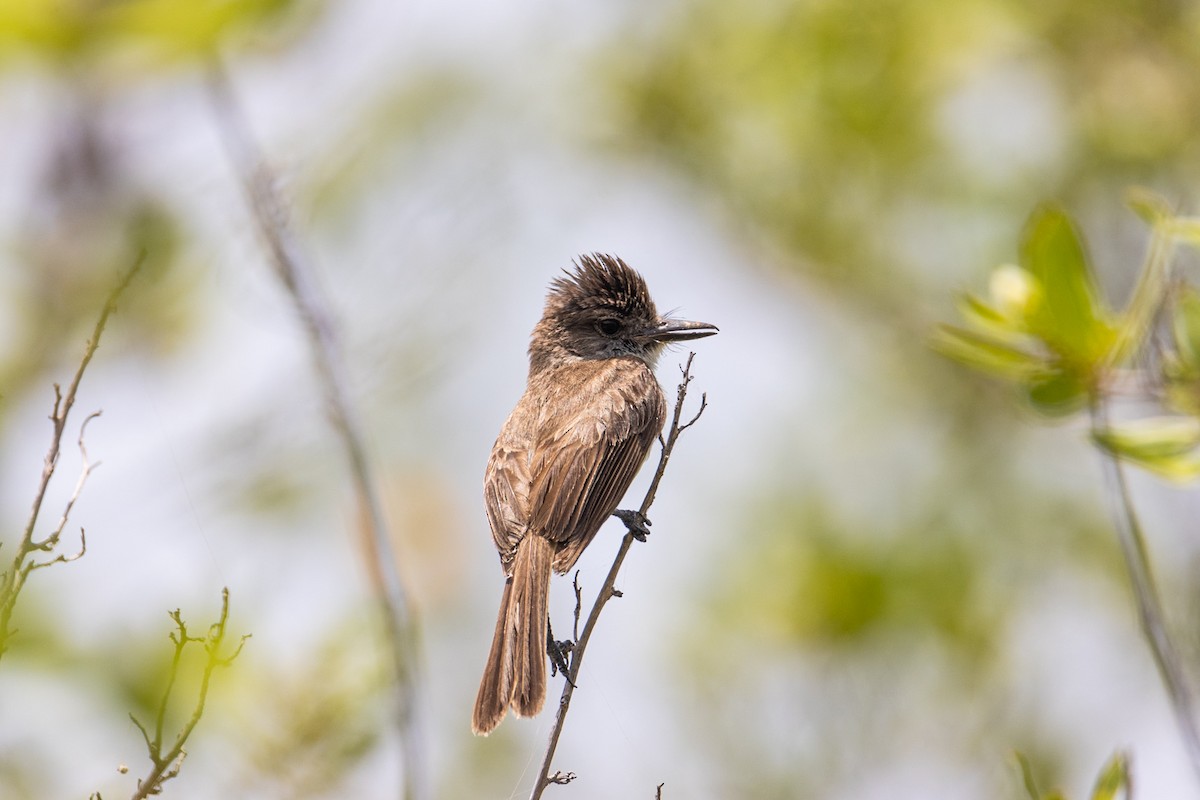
(607,589)
(295,270)
(1145,593)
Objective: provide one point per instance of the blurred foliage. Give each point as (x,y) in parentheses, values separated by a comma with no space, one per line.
(167,733)
(132,670)
(89,218)
(831,126)
(866,146)
(1046,328)
(1112,781)
(1182,362)
(126,675)
(835,588)
(67,30)
(904,627)
(872,147)
(87,224)
(298,733)
(1047,331)
(393,130)
(807,117)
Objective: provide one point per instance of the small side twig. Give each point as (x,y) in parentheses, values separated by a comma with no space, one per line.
(295,270)
(165,764)
(578,606)
(1145,594)
(608,588)
(12,580)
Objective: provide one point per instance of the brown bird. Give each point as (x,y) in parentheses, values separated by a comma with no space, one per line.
(566,455)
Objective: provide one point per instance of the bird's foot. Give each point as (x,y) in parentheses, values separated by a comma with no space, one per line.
(636,522)
(559,653)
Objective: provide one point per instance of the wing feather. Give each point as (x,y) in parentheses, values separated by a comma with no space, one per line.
(589,465)
(566,456)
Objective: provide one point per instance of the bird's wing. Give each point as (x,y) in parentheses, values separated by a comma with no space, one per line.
(506,494)
(584,466)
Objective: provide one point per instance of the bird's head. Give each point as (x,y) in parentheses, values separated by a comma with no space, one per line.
(602,309)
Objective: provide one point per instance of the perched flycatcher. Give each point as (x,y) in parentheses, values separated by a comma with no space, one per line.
(566,455)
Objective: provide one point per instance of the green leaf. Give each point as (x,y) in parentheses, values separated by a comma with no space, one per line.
(186,30)
(1057,393)
(976,311)
(1166,446)
(1181,469)
(1182,390)
(1151,207)
(1113,778)
(1151,438)
(986,354)
(1187,230)
(1186,326)
(1027,777)
(994,323)
(1069,318)
(53,29)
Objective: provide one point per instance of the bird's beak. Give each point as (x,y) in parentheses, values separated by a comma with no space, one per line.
(679,330)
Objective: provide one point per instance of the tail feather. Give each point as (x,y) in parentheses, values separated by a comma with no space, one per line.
(515,674)
(531,612)
(495,690)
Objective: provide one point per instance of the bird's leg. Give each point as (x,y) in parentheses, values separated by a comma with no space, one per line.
(558,652)
(635,521)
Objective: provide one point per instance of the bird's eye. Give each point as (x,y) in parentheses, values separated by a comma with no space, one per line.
(608,326)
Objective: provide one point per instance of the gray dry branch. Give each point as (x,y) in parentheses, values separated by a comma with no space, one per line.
(608,590)
(294,268)
(24,559)
(166,763)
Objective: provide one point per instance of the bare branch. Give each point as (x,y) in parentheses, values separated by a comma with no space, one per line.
(578,605)
(294,269)
(51,541)
(12,580)
(145,733)
(607,589)
(63,558)
(165,766)
(692,421)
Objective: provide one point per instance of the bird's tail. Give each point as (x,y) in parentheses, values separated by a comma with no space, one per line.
(515,674)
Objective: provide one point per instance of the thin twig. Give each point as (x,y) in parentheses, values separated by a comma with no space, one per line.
(1145,593)
(51,541)
(165,766)
(13,578)
(578,606)
(294,269)
(607,589)
(62,558)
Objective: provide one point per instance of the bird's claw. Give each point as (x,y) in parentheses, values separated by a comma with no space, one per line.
(559,652)
(637,523)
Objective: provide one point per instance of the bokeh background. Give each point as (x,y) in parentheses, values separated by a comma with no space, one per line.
(872,574)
